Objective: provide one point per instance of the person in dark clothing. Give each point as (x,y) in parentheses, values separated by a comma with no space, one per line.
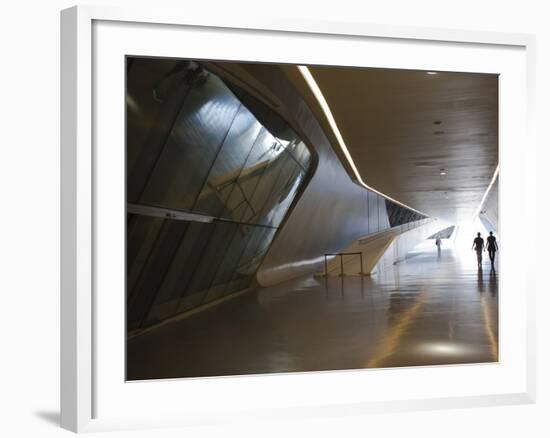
(438,244)
(492,248)
(479,247)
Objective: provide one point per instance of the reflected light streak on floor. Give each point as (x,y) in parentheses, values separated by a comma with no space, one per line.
(391,341)
(430,309)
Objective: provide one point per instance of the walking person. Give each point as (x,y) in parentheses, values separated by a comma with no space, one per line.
(479,246)
(492,248)
(438,244)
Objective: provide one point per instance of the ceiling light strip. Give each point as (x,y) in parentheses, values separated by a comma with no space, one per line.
(330,118)
(495,175)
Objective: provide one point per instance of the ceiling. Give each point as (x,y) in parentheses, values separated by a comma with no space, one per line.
(404,128)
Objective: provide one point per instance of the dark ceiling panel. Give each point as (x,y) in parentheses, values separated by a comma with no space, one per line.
(402,127)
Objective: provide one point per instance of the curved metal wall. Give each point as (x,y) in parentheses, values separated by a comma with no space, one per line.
(333,210)
(209,181)
(205,206)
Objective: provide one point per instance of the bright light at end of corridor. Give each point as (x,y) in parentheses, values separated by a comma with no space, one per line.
(465,234)
(314,87)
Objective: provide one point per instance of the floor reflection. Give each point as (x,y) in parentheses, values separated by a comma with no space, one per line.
(429,309)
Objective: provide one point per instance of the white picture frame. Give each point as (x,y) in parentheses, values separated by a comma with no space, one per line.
(82,370)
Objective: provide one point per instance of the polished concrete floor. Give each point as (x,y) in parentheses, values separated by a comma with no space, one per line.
(430,309)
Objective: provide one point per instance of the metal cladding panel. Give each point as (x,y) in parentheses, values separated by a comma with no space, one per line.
(331,212)
(208,187)
(374,216)
(383,220)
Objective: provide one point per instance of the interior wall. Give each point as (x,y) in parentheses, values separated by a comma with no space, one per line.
(403,243)
(333,210)
(489,211)
(210,177)
(381,249)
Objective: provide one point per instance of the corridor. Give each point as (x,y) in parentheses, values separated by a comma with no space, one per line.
(427,310)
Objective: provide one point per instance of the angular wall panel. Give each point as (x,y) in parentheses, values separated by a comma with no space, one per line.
(208,185)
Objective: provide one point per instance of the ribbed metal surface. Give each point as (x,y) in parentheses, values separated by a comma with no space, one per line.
(333,211)
(207,187)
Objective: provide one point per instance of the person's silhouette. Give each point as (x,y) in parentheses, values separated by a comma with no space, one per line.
(492,248)
(479,247)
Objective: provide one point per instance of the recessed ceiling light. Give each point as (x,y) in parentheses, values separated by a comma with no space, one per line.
(432,72)
(314,87)
(437,122)
(442,172)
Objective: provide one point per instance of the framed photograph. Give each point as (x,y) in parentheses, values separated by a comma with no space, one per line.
(283,218)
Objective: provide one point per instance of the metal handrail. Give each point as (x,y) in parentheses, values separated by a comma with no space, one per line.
(341,255)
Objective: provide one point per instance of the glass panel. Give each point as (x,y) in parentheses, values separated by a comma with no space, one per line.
(383,223)
(373,212)
(229,162)
(300,153)
(249,260)
(229,263)
(283,195)
(191,149)
(142,233)
(367,212)
(156,90)
(195,146)
(181,270)
(264,150)
(255,250)
(142,296)
(270,181)
(211,258)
